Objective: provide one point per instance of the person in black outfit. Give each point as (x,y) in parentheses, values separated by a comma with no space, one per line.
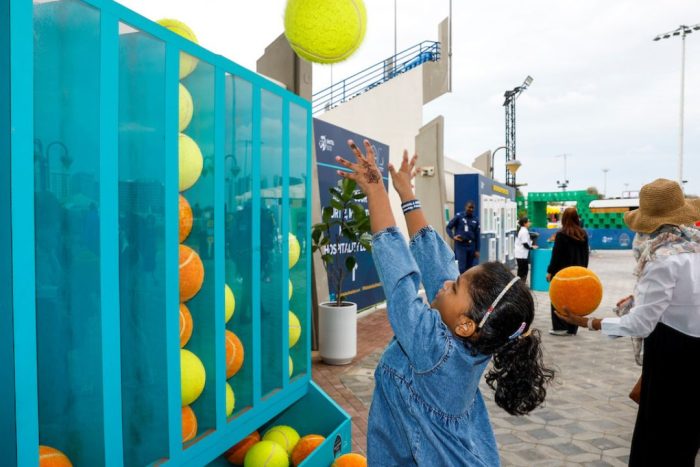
(464,229)
(570,249)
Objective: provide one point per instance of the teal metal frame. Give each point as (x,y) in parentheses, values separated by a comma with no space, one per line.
(102,347)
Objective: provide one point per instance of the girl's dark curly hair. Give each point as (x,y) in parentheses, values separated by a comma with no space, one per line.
(518,375)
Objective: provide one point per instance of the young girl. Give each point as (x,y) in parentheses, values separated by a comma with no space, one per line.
(427,408)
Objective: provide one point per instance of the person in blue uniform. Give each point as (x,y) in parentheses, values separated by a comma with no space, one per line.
(465,231)
(427,408)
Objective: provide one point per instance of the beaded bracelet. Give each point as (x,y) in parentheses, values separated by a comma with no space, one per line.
(409,206)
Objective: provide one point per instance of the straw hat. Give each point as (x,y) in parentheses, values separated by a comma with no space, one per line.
(661,202)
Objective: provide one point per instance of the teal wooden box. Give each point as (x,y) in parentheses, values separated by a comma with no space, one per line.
(89,184)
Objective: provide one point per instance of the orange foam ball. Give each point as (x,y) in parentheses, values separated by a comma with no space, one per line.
(186,218)
(576,288)
(51,457)
(189,424)
(186,325)
(350,460)
(236,455)
(304,447)
(234,354)
(191,273)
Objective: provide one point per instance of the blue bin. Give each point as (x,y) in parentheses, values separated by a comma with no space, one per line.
(538,274)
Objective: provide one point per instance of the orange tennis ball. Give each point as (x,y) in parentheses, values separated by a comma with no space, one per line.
(234,354)
(304,447)
(186,325)
(189,424)
(186,219)
(236,454)
(191,273)
(350,460)
(50,457)
(576,288)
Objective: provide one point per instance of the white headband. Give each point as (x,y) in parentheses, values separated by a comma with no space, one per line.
(495,302)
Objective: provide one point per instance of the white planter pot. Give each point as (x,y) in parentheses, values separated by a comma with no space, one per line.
(337,332)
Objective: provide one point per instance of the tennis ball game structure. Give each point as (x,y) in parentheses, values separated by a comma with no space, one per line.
(160,312)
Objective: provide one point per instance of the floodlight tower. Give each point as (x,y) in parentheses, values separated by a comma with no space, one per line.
(509,104)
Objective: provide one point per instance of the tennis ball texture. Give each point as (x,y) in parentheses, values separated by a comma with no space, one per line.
(294,329)
(304,447)
(236,454)
(186,325)
(190,161)
(284,435)
(189,424)
(291,289)
(186,107)
(51,457)
(186,219)
(191,273)
(229,303)
(230,400)
(576,288)
(192,376)
(325,31)
(187,62)
(234,354)
(294,250)
(291,366)
(267,454)
(350,460)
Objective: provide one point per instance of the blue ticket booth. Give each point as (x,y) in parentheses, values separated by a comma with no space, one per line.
(91,174)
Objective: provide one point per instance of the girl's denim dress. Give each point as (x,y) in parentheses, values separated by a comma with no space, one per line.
(427,408)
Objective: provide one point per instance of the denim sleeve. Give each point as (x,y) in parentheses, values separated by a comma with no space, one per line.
(419,330)
(435,260)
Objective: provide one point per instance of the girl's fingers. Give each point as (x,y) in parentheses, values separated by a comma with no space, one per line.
(345,162)
(369,152)
(392,170)
(350,175)
(356,150)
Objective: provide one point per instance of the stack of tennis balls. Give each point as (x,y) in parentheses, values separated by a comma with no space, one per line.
(192,371)
(235,354)
(294,323)
(325,31)
(280,446)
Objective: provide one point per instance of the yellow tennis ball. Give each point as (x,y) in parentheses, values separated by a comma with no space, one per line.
(187,62)
(294,329)
(191,162)
(325,31)
(268,454)
(284,435)
(186,107)
(294,250)
(291,366)
(230,400)
(192,376)
(291,289)
(229,303)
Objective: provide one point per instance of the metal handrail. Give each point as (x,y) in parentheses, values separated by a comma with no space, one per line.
(369,78)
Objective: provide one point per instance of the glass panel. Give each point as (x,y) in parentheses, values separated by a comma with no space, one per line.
(196,148)
(239,241)
(299,229)
(67,211)
(141,246)
(8,442)
(271,260)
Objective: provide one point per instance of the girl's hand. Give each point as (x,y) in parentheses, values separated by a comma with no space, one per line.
(365,171)
(402,179)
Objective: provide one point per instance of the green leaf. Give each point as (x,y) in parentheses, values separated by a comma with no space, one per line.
(335,192)
(327,258)
(357,210)
(350,263)
(316,234)
(348,187)
(337,204)
(327,214)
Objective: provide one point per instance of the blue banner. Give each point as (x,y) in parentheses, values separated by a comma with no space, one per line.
(598,239)
(362,285)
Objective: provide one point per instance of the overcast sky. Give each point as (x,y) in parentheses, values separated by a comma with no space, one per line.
(603,92)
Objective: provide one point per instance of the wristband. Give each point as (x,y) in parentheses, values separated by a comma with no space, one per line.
(589,324)
(409,206)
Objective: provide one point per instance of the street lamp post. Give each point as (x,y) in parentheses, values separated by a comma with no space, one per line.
(565,181)
(605,182)
(509,104)
(682,31)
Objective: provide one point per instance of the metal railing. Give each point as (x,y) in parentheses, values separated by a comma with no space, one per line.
(369,78)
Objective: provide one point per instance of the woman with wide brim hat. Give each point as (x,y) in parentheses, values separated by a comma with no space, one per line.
(666,313)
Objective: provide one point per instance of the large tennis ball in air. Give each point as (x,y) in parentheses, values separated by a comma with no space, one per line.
(191,162)
(187,62)
(325,31)
(576,288)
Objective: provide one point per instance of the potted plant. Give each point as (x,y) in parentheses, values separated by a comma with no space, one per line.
(344,227)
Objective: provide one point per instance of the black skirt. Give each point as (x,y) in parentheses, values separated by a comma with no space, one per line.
(667,431)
